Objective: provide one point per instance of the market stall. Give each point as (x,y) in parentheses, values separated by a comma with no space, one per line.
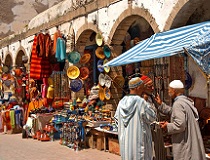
(191,39)
(68,98)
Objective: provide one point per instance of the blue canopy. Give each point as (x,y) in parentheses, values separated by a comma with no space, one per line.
(169,43)
(199,50)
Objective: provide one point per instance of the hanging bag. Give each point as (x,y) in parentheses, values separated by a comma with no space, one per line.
(70,39)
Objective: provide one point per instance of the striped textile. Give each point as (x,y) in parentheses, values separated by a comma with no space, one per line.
(200,52)
(134,117)
(39,66)
(162,44)
(12,118)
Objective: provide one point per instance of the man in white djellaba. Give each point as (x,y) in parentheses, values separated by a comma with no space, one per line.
(183,127)
(134,116)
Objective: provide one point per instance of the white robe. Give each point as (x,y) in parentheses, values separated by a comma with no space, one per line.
(134,117)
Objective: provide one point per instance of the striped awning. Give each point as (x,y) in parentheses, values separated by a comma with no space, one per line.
(162,44)
(199,50)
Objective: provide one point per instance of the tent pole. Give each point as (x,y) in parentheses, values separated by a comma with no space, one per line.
(208,87)
(207,77)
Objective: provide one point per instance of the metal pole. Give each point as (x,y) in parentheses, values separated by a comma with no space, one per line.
(208,88)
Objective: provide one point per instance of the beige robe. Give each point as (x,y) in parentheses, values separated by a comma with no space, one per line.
(187,141)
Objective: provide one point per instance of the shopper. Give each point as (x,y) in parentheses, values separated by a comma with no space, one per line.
(157,134)
(183,126)
(134,117)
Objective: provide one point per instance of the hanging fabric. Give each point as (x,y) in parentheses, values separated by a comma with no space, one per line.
(39,66)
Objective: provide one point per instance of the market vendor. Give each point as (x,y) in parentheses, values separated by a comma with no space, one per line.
(183,127)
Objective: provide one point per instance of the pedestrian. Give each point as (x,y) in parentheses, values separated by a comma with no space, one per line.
(157,134)
(183,127)
(134,116)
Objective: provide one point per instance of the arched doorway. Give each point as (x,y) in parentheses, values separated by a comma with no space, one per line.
(18,61)
(8,61)
(128,33)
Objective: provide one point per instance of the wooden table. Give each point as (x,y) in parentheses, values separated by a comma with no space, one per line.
(101,135)
(105,135)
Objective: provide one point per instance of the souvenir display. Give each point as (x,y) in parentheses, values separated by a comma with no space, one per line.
(17,72)
(73,72)
(108,81)
(76,85)
(85,58)
(100,65)
(101,93)
(107,51)
(74,57)
(99,39)
(5,69)
(84,73)
(101,79)
(106,68)
(107,93)
(100,53)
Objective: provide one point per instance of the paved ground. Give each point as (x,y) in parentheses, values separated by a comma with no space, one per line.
(13,147)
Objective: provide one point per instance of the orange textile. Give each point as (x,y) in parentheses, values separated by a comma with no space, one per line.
(34,104)
(6,119)
(39,66)
(43,45)
(55,37)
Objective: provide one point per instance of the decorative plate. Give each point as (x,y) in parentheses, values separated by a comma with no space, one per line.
(100,53)
(85,58)
(101,94)
(73,72)
(84,73)
(106,68)
(99,39)
(108,81)
(101,79)
(73,57)
(107,51)
(100,65)
(107,93)
(76,85)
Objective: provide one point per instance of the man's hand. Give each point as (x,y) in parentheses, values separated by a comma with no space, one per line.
(163,125)
(158,100)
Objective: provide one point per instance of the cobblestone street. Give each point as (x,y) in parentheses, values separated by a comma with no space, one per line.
(13,147)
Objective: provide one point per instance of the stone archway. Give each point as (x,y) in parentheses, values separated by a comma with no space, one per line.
(125,20)
(84,36)
(18,60)
(8,61)
(137,23)
(182,12)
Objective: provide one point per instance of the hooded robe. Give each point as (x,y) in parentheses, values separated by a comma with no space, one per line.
(184,129)
(134,117)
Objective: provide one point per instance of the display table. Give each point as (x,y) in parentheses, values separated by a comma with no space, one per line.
(105,134)
(43,119)
(100,136)
(38,121)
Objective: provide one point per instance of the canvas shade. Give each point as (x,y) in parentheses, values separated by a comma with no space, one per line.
(162,44)
(199,50)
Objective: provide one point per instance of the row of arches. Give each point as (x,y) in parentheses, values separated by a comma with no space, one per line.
(137,21)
